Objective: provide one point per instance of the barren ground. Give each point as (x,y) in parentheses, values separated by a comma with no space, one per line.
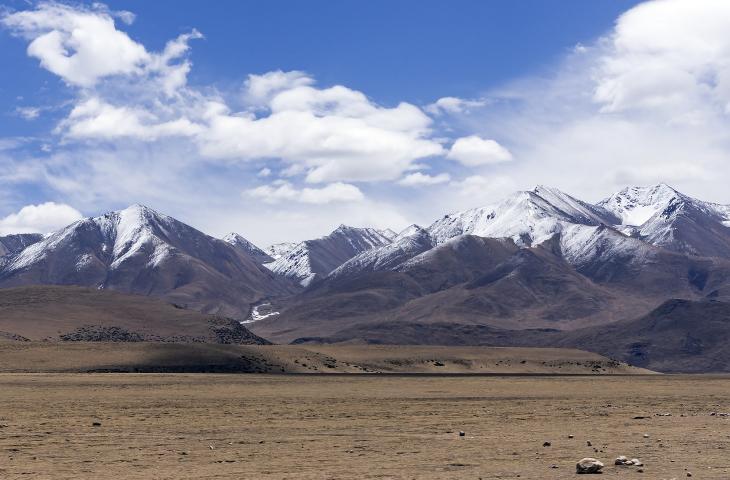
(358,426)
(133,357)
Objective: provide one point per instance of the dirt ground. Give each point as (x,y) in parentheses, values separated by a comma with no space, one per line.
(155,357)
(185,426)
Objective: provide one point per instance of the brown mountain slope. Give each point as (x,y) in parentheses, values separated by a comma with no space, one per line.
(678,336)
(481,281)
(138,250)
(77,313)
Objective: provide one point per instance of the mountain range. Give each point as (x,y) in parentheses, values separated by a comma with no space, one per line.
(536,261)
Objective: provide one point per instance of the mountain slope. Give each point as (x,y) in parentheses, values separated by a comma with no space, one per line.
(468,279)
(70,313)
(138,250)
(529,218)
(12,244)
(312,259)
(667,218)
(248,248)
(406,245)
(678,336)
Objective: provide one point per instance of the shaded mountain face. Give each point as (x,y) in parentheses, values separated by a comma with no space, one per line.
(667,218)
(138,250)
(248,248)
(678,336)
(569,265)
(312,259)
(468,279)
(12,244)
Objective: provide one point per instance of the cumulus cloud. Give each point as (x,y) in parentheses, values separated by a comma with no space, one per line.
(454,105)
(76,44)
(82,45)
(258,89)
(643,104)
(94,118)
(646,102)
(330,134)
(419,179)
(41,218)
(282,191)
(670,54)
(474,151)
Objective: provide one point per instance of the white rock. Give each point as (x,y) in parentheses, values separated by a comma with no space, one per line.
(588,465)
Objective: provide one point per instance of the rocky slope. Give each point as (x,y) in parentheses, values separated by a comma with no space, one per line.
(313,259)
(137,250)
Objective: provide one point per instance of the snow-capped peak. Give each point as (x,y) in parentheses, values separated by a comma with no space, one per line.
(410,242)
(387,233)
(237,241)
(117,235)
(636,205)
(280,249)
(407,232)
(528,217)
(320,256)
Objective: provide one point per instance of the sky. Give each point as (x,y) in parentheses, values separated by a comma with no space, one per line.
(280,120)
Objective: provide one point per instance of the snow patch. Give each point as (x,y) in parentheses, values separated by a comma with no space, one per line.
(257,315)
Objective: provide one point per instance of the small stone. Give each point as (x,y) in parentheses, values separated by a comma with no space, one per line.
(553,466)
(689,474)
(96,424)
(640,470)
(622,460)
(570,436)
(636,462)
(589,443)
(546,444)
(588,465)
(462,434)
(646,435)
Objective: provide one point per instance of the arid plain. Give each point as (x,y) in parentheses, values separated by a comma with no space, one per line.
(184,426)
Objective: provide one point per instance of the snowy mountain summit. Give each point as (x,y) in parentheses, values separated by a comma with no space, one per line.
(528,217)
(315,258)
(636,205)
(139,250)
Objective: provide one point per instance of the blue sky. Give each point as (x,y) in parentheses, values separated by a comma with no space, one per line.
(282,119)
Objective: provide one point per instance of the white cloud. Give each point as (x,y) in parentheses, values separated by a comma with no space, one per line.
(419,179)
(454,105)
(82,45)
(259,89)
(94,118)
(335,134)
(669,54)
(41,218)
(645,103)
(474,151)
(78,45)
(331,134)
(28,113)
(282,191)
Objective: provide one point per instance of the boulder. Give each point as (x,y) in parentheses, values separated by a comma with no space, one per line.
(588,465)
